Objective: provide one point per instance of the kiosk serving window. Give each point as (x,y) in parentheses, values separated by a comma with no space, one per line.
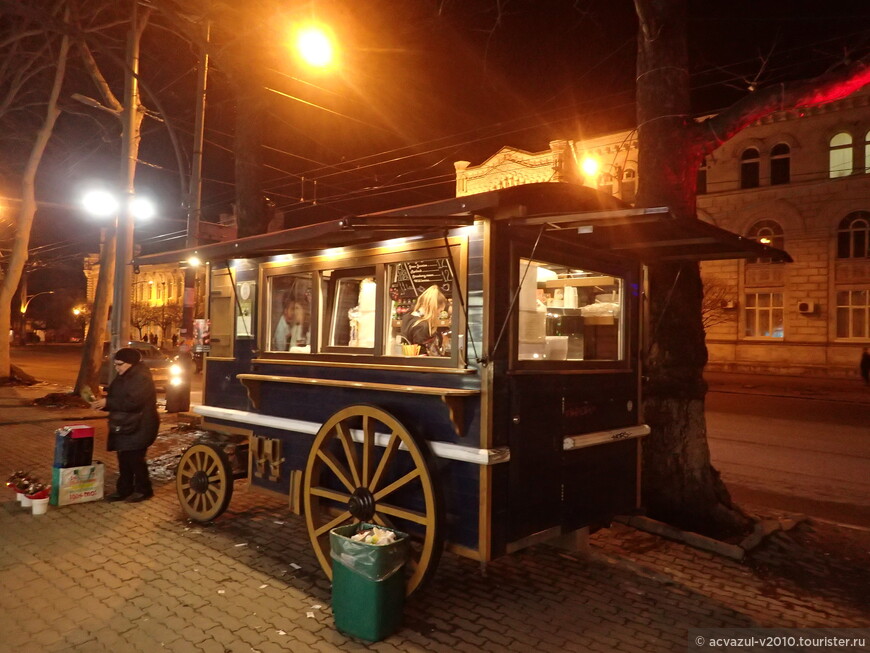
(351,305)
(421,308)
(567,314)
(390,304)
(221,312)
(289,312)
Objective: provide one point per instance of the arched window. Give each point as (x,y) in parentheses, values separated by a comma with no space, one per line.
(853,236)
(780,164)
(749,168)
(766,232)
(840,162)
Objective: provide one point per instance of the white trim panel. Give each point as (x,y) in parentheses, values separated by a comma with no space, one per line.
(441,449)
(602,437)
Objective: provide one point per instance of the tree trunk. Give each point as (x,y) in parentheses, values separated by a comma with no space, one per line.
(680,485)
(92,355)
(21,246)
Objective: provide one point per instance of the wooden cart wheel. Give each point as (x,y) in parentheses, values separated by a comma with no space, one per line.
(204,482)
(364,465)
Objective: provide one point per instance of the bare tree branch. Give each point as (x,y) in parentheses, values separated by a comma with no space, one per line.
(831,86)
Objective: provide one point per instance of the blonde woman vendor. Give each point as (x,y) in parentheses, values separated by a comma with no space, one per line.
(420,326)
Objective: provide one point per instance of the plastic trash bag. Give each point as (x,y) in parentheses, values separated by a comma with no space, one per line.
(375,562)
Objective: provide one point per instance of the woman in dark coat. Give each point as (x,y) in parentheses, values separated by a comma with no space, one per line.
(133,424)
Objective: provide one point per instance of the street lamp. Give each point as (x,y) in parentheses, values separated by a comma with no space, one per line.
(102,203)
(315,46)
(24,312)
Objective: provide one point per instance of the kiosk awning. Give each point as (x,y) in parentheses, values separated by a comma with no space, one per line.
(347,231)
(650,235)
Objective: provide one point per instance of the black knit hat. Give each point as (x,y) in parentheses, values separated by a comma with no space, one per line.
(128,355)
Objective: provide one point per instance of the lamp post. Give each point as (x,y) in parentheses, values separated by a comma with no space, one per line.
(24,313)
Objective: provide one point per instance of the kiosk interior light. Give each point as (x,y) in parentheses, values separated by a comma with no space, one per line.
(194,262)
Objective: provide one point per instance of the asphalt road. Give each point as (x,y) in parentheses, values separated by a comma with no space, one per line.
(791,453)
(58,364)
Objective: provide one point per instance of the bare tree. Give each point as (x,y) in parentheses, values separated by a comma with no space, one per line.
(131,134)
(141,316)
(680,484)
(22,66)
(718,300)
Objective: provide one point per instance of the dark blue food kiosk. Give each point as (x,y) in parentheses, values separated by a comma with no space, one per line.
(515,421)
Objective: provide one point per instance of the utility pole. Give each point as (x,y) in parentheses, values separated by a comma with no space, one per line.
(120,322)
(194,202)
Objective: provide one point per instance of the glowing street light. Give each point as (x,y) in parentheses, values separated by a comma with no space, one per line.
(315,46)
(100,203)
(590,166)
(104,204)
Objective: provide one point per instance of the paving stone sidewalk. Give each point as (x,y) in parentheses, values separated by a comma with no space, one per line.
(137,577)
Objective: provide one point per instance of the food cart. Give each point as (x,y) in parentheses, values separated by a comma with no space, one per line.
(517,422)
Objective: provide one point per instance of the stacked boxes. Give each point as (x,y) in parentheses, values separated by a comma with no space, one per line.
(75,478)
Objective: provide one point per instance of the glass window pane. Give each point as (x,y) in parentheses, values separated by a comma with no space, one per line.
(351,297)
(859,244)
(569,314)
(777,326)
(749,174)
(780,171)
(841,162)
(859,324)
(421,307)
(290,313)
(842,322)
(221,312)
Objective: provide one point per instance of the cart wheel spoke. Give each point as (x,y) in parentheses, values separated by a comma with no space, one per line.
(204,483)
(350,453)
(403,513)
(395,485)
(368,429)
(337,468)
(324,530)
(391,448)
(381,520)
(408,500)
(326,493)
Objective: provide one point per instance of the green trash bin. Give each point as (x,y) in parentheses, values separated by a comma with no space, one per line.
(368,583)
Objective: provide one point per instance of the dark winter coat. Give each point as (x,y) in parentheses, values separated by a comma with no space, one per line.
(132,406)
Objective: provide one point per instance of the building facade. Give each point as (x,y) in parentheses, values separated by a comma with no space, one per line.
(156,300)
(798,180)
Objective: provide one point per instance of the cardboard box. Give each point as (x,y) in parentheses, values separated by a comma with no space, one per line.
(77,484)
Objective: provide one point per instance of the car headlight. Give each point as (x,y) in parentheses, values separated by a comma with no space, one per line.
(175,369)
(176,380)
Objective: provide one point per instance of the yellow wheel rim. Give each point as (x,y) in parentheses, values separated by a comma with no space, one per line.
(364,465)
(203,482)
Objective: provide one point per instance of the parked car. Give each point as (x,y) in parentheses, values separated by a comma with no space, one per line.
(158,362)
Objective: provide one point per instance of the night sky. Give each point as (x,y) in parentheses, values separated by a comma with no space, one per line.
(426,83)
